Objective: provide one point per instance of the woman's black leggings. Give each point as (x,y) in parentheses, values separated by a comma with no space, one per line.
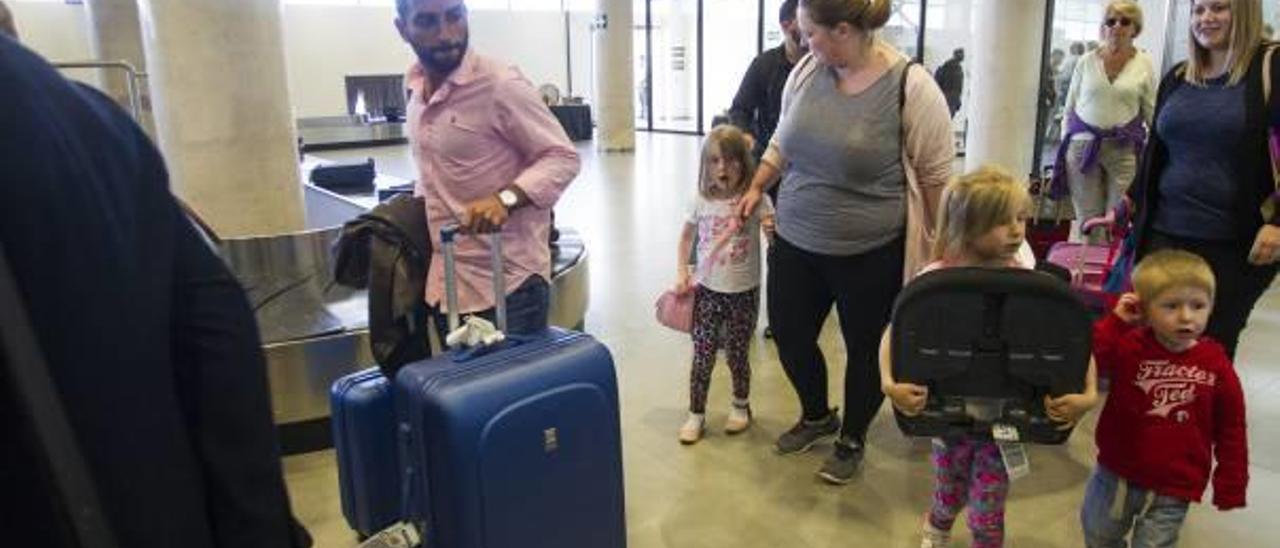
(802,287)
(1238,284)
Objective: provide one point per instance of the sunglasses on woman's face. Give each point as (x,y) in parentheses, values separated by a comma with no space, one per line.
(1118,21)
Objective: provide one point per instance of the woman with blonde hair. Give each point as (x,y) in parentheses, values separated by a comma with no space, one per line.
(864,148)
(1108,109)
(1206,184)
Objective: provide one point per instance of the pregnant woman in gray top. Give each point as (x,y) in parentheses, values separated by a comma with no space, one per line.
(864,146)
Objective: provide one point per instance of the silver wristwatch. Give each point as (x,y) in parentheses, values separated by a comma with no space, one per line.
(508,198)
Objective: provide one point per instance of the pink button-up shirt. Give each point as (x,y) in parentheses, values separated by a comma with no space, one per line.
(483,130)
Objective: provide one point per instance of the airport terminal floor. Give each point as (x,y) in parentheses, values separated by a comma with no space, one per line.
(734,491)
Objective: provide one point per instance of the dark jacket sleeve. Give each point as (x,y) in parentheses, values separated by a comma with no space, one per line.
(220,374)
(750,97)
(1230,443)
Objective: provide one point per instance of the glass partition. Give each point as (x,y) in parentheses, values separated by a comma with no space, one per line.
(674,41)
(728,49)
(640,47)
(947,31)
(1076,29)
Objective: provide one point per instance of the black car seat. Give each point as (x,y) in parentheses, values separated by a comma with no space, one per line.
(989,344)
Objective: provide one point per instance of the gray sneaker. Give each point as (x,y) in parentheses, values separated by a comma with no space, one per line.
(843,462)
(805,434)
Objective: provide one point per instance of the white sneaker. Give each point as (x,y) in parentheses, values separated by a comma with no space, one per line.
(739,420)
(692,429)
(932,537)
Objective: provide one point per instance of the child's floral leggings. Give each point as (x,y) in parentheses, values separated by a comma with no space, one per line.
(970,472)
(721,320)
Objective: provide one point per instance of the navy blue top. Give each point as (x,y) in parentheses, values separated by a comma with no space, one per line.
(1203,128)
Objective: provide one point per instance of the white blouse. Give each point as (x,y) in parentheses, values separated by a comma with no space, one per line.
(1105,104)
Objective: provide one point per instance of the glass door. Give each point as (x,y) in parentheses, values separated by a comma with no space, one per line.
(946,37)
(904,27)
(640,51)
(772,33)
(729,46)
(675,76)
(1076,30)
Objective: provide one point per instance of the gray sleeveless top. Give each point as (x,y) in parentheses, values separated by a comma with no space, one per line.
(844,189)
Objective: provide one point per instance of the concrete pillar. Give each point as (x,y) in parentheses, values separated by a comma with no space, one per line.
(223,116)
(116,35)
(615,81)
(1005,72)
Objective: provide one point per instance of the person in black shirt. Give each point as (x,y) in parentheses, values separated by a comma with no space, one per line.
(149,340)
(758,103)
(950,77)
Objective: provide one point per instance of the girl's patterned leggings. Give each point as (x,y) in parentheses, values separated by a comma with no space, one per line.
(970,472)
(721,320)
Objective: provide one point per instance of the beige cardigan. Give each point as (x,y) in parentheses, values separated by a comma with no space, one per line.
(927,151)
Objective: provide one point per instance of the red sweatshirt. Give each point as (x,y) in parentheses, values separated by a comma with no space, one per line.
(1170,414)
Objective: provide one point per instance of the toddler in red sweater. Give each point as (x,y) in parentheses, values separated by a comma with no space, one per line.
(1175,407)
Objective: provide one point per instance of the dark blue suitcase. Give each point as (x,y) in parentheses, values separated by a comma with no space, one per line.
(517,445)
(516,448)
(364,439)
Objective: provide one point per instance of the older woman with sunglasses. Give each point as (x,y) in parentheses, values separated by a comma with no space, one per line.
(1108,109)
(1206,183)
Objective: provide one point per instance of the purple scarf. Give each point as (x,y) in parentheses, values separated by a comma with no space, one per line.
(1134,133)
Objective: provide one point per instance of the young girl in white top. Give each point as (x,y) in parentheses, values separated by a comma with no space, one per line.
(982,224)
(1108,111)
(726,283)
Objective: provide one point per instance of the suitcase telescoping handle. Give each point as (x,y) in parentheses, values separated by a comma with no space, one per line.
(1087,228)
(447,235)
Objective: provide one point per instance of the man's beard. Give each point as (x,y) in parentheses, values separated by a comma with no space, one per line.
(802,45)
(429,59)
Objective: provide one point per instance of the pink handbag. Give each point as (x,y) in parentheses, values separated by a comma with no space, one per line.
(675,310)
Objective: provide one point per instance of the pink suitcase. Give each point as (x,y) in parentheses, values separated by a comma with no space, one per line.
(1088,264)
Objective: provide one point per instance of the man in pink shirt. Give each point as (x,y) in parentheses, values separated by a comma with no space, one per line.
(490,157)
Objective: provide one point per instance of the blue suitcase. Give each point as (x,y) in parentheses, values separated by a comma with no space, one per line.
(364,439)
(519,446)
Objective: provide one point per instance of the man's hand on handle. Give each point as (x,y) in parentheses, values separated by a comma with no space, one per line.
(488,214)
(484,215)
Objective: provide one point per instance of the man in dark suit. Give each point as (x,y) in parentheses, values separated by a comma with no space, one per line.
(148,339)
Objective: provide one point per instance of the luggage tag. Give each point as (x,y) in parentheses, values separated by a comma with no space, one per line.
(464,354)
(1014,454)
(399,535)
(1016,462)
(474,331)
(1004,432)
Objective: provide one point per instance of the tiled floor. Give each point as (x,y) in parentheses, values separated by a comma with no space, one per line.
(734,492)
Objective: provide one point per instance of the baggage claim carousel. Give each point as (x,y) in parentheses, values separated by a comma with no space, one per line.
(314,330)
